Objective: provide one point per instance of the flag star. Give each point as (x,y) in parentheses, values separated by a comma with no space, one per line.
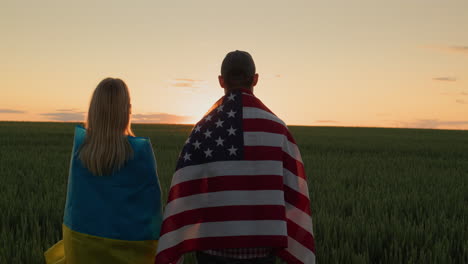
(231,97)
(219,141)
(197,128)
(187,156)
(196,144)
(232,151)
(187,141)
(231,113)
(208,118)
(208,153)
(220,108)
(232,131)
(207,134)
(219,123)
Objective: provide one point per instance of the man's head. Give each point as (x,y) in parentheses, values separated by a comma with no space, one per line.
(238,71)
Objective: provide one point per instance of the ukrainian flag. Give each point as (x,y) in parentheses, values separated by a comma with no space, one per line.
(114,218)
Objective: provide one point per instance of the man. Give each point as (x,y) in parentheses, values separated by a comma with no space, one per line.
(239,193)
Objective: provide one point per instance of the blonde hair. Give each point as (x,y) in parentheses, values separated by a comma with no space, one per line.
(106,148)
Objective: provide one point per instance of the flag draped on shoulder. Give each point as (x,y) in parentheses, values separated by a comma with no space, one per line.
(239,183)
(113,218)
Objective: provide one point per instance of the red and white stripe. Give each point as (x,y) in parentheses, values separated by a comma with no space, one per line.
(261,201)
(263,128)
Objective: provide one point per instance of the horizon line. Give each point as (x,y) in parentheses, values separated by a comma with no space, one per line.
(189,124)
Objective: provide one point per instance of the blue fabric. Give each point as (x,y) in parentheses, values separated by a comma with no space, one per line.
(125,205)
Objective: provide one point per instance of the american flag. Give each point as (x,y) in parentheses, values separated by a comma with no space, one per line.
(239,183)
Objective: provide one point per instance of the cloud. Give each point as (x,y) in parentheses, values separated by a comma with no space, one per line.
(453,93)
(66,115)
(434,123)
(459,101)
(187,80)
(326,121)
(454,48)
(461,49)
(67,110)
(445,79)
(186,83)
(11,111)
(160,118)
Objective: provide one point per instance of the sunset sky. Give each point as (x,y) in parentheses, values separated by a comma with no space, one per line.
(399,63)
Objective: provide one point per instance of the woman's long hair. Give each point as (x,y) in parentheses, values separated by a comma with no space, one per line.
(106,148)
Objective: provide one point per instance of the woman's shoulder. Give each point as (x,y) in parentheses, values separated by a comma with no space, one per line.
(140,145)
(80,134)
(142,148)
(139,140)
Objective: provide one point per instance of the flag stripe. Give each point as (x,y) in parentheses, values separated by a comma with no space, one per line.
(263,153)
(96,249)
(226,168)
(288,257)
(224,213)
(265,125)
(256,113)
(224,198)
(223,229)
(252,101)
(300,235)
(300,252)
(293,166)
(226,183)
(300,201)
(296,183)
(263,139)
(188,245)
(272,140)
(299,217)
(258,153)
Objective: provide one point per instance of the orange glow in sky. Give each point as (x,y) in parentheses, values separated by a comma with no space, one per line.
(325,63)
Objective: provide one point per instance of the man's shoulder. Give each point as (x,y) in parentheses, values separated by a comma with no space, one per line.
(255,108)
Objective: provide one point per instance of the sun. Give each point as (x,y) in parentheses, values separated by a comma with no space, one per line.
(196,102)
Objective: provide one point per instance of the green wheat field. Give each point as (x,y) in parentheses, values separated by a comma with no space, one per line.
(378,195)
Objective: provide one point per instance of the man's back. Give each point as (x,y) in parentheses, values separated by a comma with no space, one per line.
(239,193)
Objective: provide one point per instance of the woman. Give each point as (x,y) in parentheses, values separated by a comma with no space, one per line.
(113,208)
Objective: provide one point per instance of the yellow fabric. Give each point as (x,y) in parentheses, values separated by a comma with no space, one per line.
(55,254)
(78,248)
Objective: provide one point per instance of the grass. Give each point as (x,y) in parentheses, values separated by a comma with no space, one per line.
(378,195)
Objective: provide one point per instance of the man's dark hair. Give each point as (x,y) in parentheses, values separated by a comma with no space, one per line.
(238,69)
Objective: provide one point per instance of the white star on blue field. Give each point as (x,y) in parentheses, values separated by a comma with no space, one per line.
(218,136)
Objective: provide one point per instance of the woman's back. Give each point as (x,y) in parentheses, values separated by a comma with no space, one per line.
(124,205)
(113,209)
